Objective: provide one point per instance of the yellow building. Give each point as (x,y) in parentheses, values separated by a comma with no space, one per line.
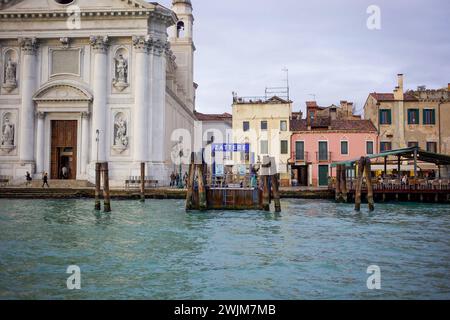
(411,118)
(264,125)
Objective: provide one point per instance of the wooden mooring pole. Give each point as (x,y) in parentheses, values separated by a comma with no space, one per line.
(359,182)
(276,192)
(369,184)
(142,182)
(338,194)
(97,185)
(343,183)
(266,193)
(190,186)
(203,205)
(106,194)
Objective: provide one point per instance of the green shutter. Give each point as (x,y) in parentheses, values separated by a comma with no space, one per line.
(389,116)
(433,116)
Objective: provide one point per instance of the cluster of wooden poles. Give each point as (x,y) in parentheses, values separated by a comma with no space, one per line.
(364,169)
(271,182)
(101,170)
(198,169)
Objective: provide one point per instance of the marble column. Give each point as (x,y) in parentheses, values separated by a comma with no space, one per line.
(26,148)
(158,101)
(40,142)
(141,106)
(84,142)
(99,110)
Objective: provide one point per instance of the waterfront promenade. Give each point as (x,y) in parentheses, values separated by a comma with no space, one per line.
(22,192)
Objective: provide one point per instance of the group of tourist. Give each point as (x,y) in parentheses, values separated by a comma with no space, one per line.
(175,179)
(405,180)
(29,179)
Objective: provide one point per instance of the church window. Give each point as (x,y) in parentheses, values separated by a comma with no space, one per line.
(180,29)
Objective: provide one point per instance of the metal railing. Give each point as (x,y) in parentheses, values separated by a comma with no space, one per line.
(323,157)
(301,157)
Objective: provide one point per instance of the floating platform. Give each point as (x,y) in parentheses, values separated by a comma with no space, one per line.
(230,199)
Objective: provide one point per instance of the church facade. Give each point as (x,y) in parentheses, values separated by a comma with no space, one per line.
(84,81)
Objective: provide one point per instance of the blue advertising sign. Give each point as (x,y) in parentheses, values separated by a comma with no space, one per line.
(231,147)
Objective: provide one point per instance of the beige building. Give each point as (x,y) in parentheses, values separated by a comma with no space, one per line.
(415,117)
(263,123)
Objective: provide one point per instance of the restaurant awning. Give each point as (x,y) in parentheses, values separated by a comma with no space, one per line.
(405,153)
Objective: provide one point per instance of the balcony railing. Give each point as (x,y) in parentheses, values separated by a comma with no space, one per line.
(323,156)
(301,157)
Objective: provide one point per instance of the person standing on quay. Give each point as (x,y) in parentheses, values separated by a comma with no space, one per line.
(29,179)
(45,180)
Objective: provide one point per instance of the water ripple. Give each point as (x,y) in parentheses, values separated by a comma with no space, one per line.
(312,250)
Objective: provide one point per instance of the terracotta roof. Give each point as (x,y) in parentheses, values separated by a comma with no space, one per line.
(334,125)
(390,97)
(213,117)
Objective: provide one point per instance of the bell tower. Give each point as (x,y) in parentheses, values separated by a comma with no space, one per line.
(182,45)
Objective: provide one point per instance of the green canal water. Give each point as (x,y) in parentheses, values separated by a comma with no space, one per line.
(312,250)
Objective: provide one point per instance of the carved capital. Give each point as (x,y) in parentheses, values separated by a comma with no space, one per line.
(85,115)
(99,44)
(40,115)
(29,45)
(142,43)
(158,47)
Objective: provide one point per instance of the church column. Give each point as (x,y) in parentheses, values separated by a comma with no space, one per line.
(99,110)
(29,77)
(141,106)
(158,100)
(84,142)
(40,142)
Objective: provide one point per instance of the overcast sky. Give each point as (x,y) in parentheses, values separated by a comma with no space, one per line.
(243,45)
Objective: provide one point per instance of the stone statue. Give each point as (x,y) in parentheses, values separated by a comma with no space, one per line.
(7,133)
(10,73)
(121,69)
(120,133)
(120,82)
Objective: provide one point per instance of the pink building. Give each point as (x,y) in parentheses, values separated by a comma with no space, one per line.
(318,141)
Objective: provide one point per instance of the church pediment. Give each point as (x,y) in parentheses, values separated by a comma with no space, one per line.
(27,5)
(62,91)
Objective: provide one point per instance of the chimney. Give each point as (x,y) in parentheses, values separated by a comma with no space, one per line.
(398,91)
(448,88)
(333,114)
(400,81)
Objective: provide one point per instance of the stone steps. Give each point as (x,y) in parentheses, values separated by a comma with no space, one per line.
(61,184)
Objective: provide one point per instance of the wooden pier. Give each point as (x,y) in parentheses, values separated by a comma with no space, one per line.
(352,188)
(249,192)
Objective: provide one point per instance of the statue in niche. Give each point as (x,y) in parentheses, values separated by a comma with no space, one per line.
(121,73)
(10,82)
(120,133)
(7,133)
(10,74)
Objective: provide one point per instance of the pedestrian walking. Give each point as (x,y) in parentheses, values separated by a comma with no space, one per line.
(45,180)
(29,179)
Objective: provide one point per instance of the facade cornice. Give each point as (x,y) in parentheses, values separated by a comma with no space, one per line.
(165,16)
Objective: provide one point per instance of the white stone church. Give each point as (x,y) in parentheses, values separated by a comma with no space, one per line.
(84,81)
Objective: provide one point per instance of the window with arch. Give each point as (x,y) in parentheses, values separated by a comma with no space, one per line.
(180,29)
